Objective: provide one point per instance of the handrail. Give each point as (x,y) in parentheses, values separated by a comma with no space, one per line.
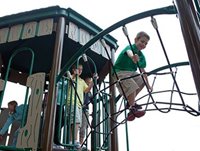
(9,65)
(168,66)
(7,73)
(27,89)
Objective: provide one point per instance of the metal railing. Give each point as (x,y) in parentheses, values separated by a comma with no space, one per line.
(15,53)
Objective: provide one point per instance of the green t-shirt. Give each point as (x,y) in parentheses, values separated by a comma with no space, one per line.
(81,87)
(125,63)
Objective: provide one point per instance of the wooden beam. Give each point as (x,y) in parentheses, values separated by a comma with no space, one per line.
(49,122)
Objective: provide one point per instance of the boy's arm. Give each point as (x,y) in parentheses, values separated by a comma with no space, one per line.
(135,58)
(6,125)
(89,87)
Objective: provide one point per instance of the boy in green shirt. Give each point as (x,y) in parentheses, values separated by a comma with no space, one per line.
(126,66)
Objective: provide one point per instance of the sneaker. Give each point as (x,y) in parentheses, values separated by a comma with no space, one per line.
(130,116)
(137,113)
(77,145)
(84,148)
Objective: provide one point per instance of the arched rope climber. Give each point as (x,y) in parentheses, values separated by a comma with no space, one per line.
(151,101)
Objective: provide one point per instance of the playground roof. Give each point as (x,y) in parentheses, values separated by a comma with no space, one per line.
(36,30)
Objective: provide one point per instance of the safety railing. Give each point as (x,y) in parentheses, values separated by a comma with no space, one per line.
(71,105)
(14,54)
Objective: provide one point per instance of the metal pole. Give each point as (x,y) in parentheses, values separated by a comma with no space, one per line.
(51,103)
(126,130)
(114,135)
(94,120)
(190,29)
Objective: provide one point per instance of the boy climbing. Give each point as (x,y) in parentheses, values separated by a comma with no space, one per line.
(126,66)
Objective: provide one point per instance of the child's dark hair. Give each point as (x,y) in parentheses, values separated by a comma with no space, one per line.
(142,34)
(13,103)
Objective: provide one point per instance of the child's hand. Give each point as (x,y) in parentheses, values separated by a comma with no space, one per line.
(95,75)
(135,58)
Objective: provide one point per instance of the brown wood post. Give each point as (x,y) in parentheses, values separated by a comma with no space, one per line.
(114,135)
(1,63)
(49,123)
(191,33)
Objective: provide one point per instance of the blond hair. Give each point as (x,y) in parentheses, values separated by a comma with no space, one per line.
(142,34)
(75,66)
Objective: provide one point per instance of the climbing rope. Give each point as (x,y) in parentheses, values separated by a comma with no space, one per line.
(150,100)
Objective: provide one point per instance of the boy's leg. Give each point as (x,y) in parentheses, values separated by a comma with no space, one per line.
(82,130)
(78,118)
(140,88)
(134,110)
(14,143)
(127,87)
(131,99)
(83,126)
(131,87)
(75,132)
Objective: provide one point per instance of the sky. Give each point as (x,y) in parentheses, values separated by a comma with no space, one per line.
(174,131)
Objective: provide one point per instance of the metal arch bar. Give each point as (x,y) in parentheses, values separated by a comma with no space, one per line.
(168,66)
(9,65)
(159,11)
(16,52)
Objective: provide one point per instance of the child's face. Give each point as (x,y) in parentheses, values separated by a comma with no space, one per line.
(79,70)
(141,42)
(11,108)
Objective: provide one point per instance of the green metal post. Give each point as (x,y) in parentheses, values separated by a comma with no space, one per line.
(94,121)
(105,109)
(62,102)
(126,128)
(105,123)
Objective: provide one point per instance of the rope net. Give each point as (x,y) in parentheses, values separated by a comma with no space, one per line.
(163,101)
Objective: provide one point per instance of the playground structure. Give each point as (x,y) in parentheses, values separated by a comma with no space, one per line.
(63,37)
